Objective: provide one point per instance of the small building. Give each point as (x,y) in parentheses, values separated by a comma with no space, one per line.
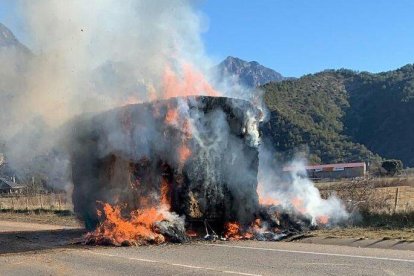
(10,187)
(335,171)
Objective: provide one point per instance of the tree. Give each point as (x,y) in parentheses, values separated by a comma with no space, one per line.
(392,166)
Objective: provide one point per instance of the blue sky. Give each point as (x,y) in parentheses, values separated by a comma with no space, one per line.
(297,37)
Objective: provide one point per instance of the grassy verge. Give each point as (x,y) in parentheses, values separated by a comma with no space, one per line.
(56,217)
(406,234)
(375,226)
(387,221)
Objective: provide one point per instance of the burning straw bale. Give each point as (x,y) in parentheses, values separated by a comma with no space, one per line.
(163,171)
(192,157)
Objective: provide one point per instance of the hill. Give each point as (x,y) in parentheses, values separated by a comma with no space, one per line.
(336,115)
(250,74)
(9,42)
(14,58)
(343,115)
(7,38)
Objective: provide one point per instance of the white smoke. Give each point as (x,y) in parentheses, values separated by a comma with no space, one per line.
(96,55)
(295,192)
(99,54)
(91,56)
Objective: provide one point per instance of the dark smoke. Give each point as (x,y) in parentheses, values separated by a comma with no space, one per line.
(121,155)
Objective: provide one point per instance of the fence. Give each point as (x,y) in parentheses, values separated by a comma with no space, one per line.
(18,202)
(398,199)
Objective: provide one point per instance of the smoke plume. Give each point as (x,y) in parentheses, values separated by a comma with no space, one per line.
(97,55)
(91,56)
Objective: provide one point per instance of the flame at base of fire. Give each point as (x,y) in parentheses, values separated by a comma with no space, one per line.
(139,229)
(233,231)
(156,225)
(256,230)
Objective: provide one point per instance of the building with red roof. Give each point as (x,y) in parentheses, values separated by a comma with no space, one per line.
(334,171)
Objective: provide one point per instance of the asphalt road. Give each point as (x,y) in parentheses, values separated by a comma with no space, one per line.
(35,250)
(239,258)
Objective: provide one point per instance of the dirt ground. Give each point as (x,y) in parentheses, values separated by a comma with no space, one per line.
(54,218)
(406,234)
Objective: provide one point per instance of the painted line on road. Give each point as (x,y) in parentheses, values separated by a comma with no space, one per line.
(314,253)
(172,264)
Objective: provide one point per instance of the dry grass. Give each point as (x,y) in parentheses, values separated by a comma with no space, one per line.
(379,195)
(63,218)
(383,208)
(375,226)
(372,182)
(35,201)
(367,233)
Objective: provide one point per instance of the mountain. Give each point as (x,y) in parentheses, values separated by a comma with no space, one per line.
(15,59)
(343,115)
(14,56)
(334,115)
(250,74)
(8,40)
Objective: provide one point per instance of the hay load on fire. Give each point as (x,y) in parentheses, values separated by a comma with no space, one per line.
(160,171)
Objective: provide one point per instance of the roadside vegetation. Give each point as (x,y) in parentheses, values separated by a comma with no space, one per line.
(381,208)
(42,216)
(344,116)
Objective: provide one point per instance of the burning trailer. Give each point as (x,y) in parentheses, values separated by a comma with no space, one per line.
(172,169)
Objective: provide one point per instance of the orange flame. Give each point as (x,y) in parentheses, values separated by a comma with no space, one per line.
(191,233)
(183,153)
(171,117)
(266,200)
(234,232)
(165,194)
(192,83)
(298,204)
(323,220)
(117,230)
(257,224)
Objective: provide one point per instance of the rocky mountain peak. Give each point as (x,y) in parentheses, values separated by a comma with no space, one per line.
(249,73)
(7,38)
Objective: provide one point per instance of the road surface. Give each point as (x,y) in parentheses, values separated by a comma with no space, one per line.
(238,258)
(200,258)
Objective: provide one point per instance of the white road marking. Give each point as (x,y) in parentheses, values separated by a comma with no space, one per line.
(172,264)
(135,259)
(314,253)
(326,264)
